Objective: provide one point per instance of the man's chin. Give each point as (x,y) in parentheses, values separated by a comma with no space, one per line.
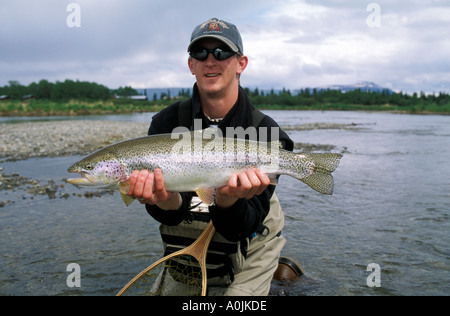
(212,90)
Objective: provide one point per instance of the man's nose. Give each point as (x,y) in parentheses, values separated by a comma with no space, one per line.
(210,59)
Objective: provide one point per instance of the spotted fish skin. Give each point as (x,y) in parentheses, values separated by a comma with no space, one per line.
(194,161)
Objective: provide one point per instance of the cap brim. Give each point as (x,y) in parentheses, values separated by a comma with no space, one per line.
(225,40)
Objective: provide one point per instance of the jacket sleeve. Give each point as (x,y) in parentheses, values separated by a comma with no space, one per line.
(244,218)
(171,218)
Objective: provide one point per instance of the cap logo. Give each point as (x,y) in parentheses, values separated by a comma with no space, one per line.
(214,25)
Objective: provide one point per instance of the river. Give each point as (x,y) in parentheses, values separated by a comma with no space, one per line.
(391,207)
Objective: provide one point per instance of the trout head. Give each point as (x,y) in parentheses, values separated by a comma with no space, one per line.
(100,173)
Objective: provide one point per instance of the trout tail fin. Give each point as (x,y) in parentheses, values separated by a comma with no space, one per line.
(320,167)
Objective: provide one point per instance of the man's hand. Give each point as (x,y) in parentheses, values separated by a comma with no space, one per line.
(148,188)
(246,185)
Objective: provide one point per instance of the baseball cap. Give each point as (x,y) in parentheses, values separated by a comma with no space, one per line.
(218,29)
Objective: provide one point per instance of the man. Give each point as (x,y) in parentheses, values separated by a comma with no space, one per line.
(246,213)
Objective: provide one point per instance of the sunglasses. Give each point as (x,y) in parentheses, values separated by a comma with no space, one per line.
(218,53)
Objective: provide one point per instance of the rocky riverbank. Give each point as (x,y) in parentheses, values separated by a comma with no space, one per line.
(63,138)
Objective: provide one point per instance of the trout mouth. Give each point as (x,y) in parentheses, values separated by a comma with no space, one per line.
(87,180)
(102,174)
(83,180)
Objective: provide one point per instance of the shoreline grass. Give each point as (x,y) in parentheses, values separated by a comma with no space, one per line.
(78,107)
(72,108)
(414,109)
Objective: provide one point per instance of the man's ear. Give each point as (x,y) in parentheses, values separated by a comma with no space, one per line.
(242,64)
(191,67)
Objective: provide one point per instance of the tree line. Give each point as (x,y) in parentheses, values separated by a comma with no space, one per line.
(61,91)
(58,91)
(315,97)
(75,90)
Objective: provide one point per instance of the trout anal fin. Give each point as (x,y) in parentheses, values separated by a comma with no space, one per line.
(273,178)
(206,195)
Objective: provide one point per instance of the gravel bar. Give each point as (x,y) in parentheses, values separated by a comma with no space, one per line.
(21,141)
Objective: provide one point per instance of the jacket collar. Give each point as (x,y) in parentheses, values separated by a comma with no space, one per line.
(239,115)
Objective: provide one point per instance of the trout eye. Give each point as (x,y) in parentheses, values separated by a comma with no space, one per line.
(88,166)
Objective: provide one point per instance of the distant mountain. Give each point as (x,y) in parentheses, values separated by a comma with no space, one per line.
(363,86)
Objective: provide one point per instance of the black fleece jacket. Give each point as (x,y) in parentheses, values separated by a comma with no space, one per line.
(246,216)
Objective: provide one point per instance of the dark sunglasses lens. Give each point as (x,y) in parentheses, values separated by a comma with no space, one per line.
(200,55)
(222,55)
(218,53)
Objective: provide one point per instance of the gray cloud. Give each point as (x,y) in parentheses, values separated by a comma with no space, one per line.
(290,44)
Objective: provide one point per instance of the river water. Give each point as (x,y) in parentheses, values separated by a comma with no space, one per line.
(391,207)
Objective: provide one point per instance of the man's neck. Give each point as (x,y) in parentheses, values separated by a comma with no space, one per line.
(217,106)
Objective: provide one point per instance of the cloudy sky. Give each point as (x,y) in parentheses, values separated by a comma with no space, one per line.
(402,45)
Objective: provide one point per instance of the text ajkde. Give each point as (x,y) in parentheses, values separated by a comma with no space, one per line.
(237,306)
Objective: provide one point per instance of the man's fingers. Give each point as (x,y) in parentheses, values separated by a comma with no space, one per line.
(133,179)
(160,187)
(138,190)
(263,179)
(255,184)
(147,192)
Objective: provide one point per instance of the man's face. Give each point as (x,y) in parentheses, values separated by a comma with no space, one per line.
(216,77)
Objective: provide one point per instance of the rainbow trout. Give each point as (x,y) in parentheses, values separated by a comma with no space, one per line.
(200,161)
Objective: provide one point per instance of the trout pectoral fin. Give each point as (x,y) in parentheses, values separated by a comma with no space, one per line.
(126,199)
(206,195)
(124,187)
